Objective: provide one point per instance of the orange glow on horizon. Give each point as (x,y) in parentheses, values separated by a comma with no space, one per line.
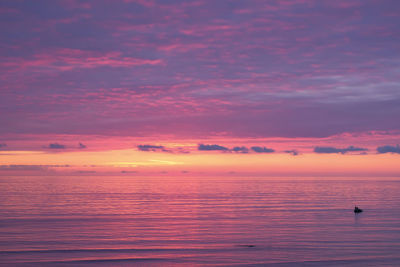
(202,162)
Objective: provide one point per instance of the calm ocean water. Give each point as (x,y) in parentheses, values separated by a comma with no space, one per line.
(148,221)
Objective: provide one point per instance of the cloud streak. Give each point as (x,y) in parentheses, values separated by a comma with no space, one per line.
(21,167)
(152,148)
(259,149)
(240,149)
(294,152)
(334,150)
(56,146)
(236,149)
(203,147)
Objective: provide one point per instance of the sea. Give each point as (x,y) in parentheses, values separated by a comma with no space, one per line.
(199,221)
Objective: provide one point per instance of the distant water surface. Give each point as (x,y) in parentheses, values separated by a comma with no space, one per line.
(166,221)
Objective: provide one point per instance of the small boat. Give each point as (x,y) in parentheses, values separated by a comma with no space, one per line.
(357,209)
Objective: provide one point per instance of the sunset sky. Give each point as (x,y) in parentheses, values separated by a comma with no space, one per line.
(255,87)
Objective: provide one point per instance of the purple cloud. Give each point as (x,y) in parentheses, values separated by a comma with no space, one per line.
(334,150)
(199,68)
(152,148)
(388,149)
(56,146)
(202,147)
(259,149)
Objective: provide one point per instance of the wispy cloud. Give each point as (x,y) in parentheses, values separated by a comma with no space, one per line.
(19,167)
(70,59)
(294,152)
(160,148)
(334,150)
(236,149)
(152,148)
(165,162)
(240,149)
(3,145)
(203,147)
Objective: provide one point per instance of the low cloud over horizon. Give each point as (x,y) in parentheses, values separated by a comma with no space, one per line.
(202,147)
(259,149)
(388,149)
(56,146)
(236,149)
(19,167)
(294,152)
(152,148)
(334,150)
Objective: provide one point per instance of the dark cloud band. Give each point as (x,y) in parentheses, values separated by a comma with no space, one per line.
(334,150)
(388,149)
(202,147)
(56,146)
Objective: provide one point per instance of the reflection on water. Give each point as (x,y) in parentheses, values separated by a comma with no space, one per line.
(172,221)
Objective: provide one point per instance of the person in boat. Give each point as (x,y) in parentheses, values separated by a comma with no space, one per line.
(357,209)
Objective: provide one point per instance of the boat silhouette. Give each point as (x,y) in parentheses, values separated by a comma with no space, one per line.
(357,209)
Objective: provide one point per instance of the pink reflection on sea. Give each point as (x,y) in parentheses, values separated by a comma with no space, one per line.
(198,221)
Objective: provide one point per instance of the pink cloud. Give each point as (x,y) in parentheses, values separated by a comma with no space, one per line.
(252,68)
(146,3)
(74,4)
(68,59)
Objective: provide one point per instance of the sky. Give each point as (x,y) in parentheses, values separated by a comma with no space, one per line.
(288,87)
